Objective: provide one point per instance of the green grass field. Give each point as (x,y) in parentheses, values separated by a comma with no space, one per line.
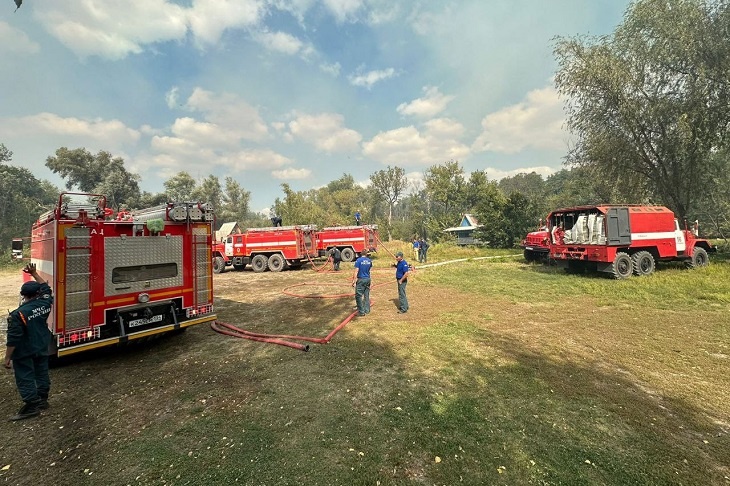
(501,373)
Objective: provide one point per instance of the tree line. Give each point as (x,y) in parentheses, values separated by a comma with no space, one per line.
(648,107)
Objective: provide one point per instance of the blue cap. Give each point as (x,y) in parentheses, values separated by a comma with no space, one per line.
(30,289)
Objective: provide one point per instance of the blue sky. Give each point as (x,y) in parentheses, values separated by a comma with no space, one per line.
(295,91)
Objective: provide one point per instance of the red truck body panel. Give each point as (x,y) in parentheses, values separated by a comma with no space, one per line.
(352,238)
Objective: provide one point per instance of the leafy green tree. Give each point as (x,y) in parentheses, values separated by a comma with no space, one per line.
(649,104)
(445,193)
(82,170)
(298,207)
(234,202)
(209,191)
(389,185)
(490,212)
(150,200)
(180,187)
(22,199)
(121,189)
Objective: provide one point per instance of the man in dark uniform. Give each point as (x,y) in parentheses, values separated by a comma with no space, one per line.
(27,345)
(336,258)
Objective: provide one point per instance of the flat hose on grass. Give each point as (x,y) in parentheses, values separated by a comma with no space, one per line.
(231,330)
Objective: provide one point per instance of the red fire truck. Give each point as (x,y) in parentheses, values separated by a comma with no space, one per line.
(123,278)
(622,240)
(272,248)
(350,240)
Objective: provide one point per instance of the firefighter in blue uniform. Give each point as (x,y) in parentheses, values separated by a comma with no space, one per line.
(27,344)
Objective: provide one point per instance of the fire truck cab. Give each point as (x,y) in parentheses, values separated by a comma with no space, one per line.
(536,244)
(622,240)
(118,279)
(350,240)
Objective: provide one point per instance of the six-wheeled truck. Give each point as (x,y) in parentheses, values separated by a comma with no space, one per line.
(274,248)
(121,278)
(622,240)
(536,245)
(350,240)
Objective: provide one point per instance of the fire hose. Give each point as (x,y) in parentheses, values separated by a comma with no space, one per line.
(287,339)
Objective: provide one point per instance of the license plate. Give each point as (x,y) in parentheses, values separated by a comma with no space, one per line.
(143,321)
(528,248)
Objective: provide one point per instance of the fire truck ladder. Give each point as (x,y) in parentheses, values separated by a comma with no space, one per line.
(78,279)
(202,261)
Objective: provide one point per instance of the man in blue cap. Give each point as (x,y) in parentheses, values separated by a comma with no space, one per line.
(28,342)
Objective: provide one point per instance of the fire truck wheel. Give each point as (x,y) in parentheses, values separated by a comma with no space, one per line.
(276,263)
(259,263)
(219,264)
(699,258)
(622,266)
(530,256)
(347,255)
(643,263)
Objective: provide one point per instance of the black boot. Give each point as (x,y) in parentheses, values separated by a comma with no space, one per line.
(43,405)
(30,409)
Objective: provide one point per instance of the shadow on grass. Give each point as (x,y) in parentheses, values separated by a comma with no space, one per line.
(379,403)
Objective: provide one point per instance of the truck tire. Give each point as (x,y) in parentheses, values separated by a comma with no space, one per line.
(219,264)
(276,262)
(347,254)
(643,262)
(530,256)
(259,263)
(699,258)
(622,266)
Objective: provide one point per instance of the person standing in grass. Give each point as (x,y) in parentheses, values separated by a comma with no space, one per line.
(27,345)
(361,282)
(416,249)
(336,256)
(402,270)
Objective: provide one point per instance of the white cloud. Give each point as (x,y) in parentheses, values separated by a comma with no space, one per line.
(209,18)
(171,97)
(15,41)
(369,79)
(536,122)
(325,131)
(114,29)
(111,132)
(229,113)
(407,146)
(343,10)
(333,69)
(291,174)
(280,42)
(433,103)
